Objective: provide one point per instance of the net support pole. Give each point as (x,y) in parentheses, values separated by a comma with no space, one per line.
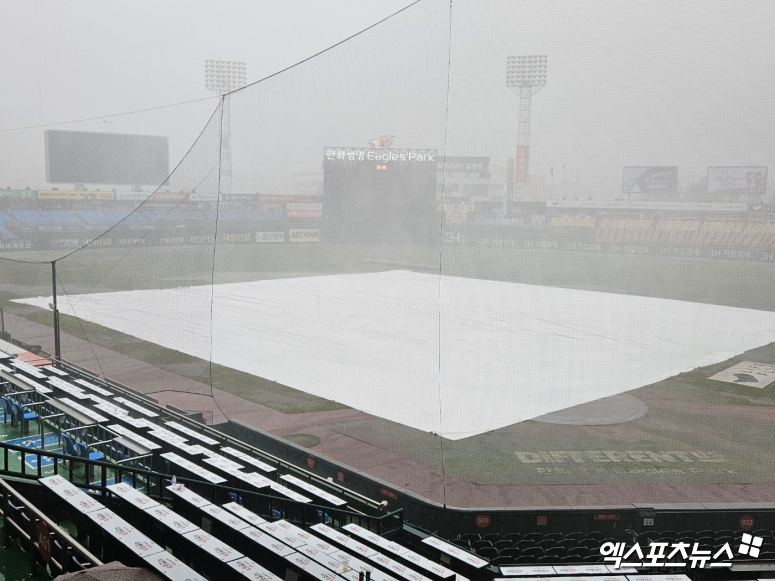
(57,346)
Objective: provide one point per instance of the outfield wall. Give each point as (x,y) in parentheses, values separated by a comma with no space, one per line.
(450,521)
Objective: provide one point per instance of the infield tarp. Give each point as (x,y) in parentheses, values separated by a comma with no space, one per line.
(449,355)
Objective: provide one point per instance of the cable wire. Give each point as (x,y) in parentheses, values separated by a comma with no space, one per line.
(7,129)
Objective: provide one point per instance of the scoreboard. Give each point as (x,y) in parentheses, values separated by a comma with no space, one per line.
(380,195)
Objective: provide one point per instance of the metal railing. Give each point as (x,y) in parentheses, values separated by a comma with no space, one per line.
(363,502)
(46,544)
(80,470)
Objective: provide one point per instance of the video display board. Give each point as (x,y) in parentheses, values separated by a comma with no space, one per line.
(380,195)
(82,157)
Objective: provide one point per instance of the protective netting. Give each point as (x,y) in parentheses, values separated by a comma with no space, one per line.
(385,250)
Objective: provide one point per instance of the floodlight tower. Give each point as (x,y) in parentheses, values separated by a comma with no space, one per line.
(525,75)
(223,77)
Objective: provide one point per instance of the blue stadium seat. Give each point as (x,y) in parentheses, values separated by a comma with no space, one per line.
(24,417)
(83,452)
(68,446)
(8,410)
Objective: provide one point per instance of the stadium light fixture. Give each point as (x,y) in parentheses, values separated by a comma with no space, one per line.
(525,75)
(223,77)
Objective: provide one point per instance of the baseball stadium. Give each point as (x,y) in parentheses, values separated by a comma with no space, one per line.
(358,282)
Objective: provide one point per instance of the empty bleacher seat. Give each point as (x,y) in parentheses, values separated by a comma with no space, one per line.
(8,411)
(23,417)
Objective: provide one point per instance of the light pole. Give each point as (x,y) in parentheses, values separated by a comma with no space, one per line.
(108,123)
(223,77)
(525,75)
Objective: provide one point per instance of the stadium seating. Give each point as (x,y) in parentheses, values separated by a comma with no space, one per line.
(572,222)
(12,220)
(674,231)
(23,417)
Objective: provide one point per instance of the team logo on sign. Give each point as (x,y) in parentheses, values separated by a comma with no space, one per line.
(383,142)
(748,373)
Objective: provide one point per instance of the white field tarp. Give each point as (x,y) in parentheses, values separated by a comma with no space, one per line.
(455,356)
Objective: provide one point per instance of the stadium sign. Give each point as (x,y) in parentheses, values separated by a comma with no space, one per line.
(264,198)
(304,210)
(477,165)
(168,196)
(298,235)
(669,206)
(650,180)
(462,207)
(741,180)
(74,195)
(137,196)
(18,193)
(194,197)
(270,237)
(384,155)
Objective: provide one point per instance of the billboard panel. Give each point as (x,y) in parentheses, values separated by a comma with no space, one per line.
(738,180)
(136,196)
(9,193)
(74,195)
(303,235)
(650,180)
(269,237)
(640,205)
(379,195)
(304,210)
(81,157)
(465,164)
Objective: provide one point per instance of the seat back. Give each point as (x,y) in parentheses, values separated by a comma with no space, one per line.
(83,451)
(69,446)
(7,406)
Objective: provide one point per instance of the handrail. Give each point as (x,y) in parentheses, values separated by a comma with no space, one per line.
(10,492)
(297,507)
(138,396)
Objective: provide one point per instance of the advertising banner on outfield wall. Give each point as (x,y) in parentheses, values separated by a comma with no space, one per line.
(738,180)
(650,180)
(18,193)
(74,195)
(670,206)
(298,235)
(137,196)
(168,196)
(269,237)
(194,197)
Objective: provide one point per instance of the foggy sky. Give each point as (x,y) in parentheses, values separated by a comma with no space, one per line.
(63,61)
(629,83)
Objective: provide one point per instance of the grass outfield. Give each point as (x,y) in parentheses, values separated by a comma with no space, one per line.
(729,424)
(723,282)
